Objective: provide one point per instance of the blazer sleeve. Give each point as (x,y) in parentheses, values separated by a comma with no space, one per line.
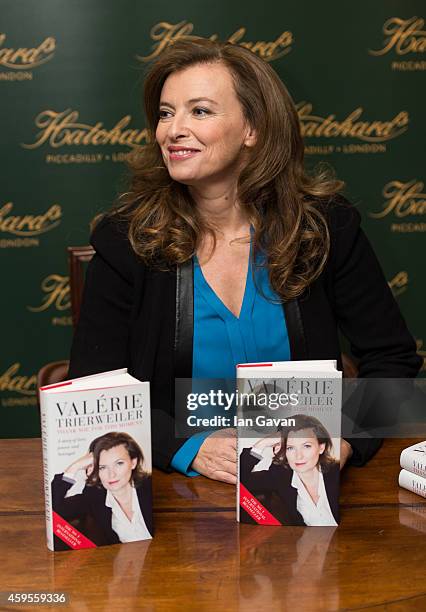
(68,508)
(261,481)
(101,339)
(366,311)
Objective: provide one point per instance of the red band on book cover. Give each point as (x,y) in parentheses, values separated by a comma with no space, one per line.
(54,386)
(69,534)
(257,511)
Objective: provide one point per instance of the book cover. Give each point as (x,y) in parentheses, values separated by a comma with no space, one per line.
(412,482)
(288,427)
(413,459)
(96,437)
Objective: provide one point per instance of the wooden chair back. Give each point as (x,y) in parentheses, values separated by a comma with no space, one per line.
(78,258)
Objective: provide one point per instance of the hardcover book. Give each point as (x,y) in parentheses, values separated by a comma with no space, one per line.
(412,482)
(288,427)
(413,459)
(96,437)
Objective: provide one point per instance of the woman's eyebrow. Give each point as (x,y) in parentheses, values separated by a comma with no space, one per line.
(116,461)
(191,101)
(202,99)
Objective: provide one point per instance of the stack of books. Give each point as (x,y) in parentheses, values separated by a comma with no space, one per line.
(413,473)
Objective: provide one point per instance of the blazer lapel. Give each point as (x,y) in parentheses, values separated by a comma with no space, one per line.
(103,516)
(332,484)
(184,330)
(144,493)
(295,330)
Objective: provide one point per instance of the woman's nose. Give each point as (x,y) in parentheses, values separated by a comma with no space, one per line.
(178,127)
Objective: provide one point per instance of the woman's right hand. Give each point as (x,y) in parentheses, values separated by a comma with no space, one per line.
(272,439)
(84,463)
(217,456)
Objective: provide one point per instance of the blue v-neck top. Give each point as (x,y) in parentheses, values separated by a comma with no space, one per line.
(222,340)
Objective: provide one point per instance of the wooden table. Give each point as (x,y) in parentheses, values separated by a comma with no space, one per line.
(201,559)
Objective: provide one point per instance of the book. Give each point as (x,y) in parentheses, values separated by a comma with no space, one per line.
(288,448)
(96,439)
(413,459)
(412,482)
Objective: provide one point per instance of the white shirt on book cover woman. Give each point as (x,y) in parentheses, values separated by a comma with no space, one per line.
(128,530)
(318,513)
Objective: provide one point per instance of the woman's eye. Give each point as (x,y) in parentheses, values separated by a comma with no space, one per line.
(201,112)
(101,467)
(164,114)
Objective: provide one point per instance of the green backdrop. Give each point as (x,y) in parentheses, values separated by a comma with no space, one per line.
(70,79)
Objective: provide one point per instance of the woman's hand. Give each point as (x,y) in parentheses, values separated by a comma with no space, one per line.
(84,463)
(346,452)
(217,456)
(273,439)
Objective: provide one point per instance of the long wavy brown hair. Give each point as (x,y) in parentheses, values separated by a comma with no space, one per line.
(285,205)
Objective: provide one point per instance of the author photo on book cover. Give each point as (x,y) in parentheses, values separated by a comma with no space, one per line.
(114,504)
(301,485)
(223,249)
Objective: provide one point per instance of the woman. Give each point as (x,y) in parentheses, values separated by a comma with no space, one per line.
(223,250)
(303,473)
(117,496)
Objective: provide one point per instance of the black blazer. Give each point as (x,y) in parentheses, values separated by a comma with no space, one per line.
(277,479)
(91,503)
(141,318)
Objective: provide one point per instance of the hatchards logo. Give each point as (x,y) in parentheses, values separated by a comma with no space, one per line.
(60,129)
(403,37)
(165,34)
(373,134)
(399,283)
(404,203)
(24,230)
(56,297)
(22,60)
(11,381)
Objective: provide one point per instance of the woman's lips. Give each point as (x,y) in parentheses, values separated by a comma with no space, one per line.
(113,482)
(180,154)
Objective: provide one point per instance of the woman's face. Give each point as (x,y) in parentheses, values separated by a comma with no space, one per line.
(303,450)
(202,131)
(115,468)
